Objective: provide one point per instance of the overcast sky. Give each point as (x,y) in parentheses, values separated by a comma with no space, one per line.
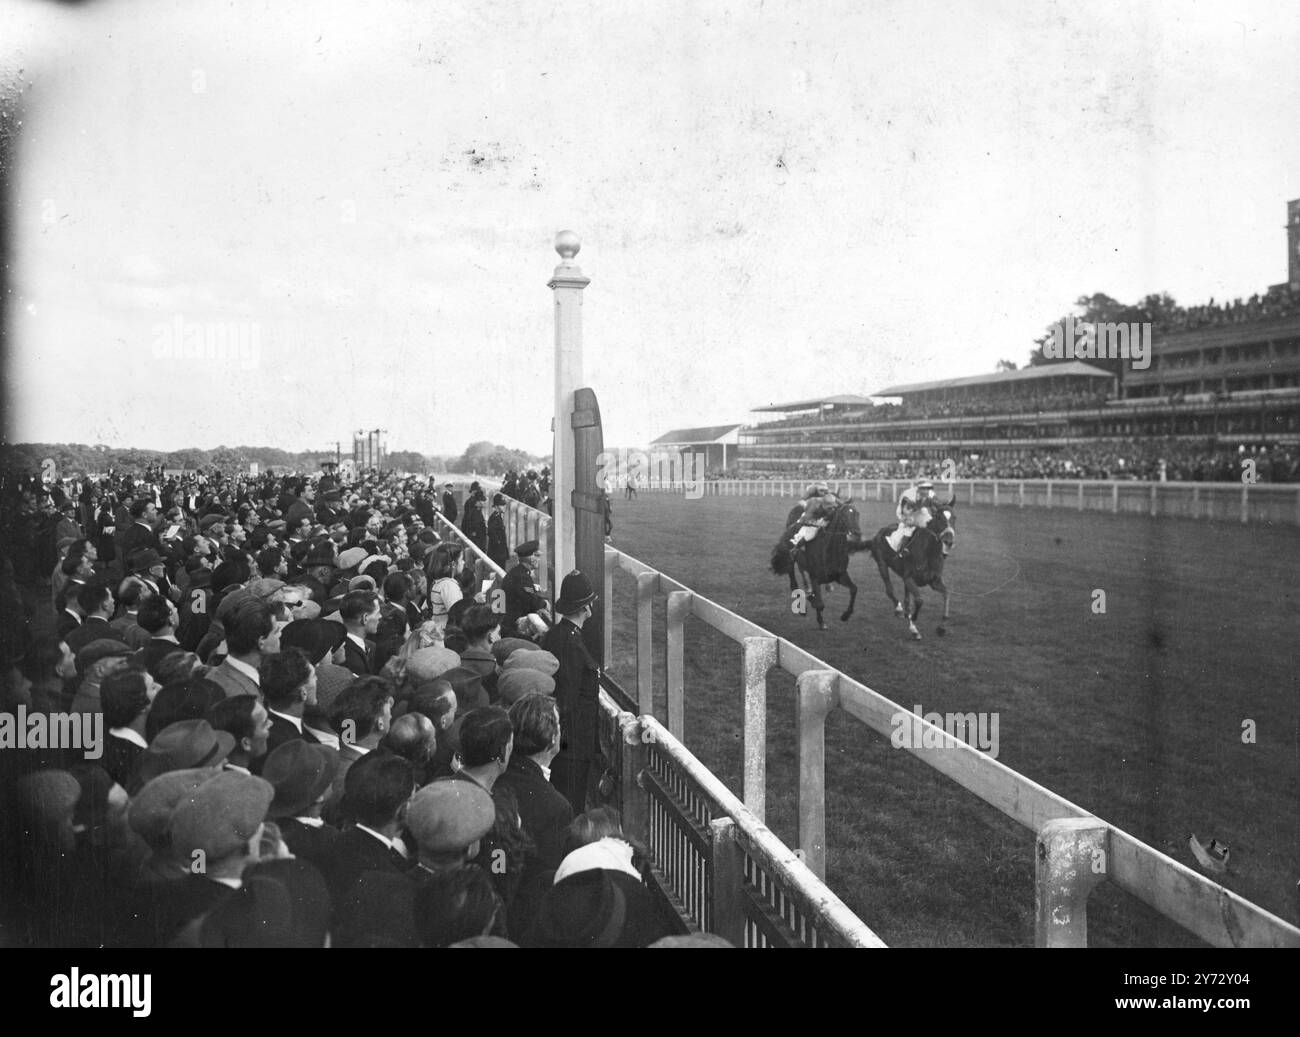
(776,200)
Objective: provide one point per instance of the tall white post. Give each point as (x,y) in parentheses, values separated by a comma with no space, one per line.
(566,284)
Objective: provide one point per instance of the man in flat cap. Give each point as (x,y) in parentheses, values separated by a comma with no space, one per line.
(448,819)
(220,824)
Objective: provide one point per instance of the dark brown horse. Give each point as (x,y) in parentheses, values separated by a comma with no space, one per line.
(920,563)
(822,561)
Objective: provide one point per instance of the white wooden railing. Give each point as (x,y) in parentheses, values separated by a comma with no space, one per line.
(1277,503)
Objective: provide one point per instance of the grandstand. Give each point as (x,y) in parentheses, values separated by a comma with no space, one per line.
(712,441)
(1223,379)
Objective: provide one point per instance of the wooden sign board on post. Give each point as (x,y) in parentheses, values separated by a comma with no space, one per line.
(589,512)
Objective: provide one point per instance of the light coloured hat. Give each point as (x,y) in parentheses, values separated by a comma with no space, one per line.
(221,815)
(150,812)
(515,683)
(264,587)
(533,659)
(427,663)
(352,557)
(447,816)
(507,646)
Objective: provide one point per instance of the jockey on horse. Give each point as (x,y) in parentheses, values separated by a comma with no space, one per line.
(913,513)
(818,504)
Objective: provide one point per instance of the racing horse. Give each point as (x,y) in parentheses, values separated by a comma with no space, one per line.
(920,563)
(823,560)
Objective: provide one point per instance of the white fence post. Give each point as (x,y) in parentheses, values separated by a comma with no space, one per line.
(1073,857)
(760,655)
(679,607)
(646,585)
(817,694)
(611,563)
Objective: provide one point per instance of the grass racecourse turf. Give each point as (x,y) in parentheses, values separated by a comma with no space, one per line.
(1135,715)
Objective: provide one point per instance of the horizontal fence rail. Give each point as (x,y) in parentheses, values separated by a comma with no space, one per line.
(1277,503)
(1069,839)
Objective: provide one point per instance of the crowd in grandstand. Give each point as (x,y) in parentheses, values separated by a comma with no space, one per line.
(320,725)
(1281,302)
(1010,403)
(1151,459)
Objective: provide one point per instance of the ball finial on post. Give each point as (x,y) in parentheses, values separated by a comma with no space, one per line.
(568,245)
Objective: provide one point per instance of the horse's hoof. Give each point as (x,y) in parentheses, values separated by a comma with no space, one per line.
(916,635)
(942,630)
(845,618)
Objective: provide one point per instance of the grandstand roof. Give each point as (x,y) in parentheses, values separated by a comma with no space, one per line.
(1075,368)
(695,436)
(822,401)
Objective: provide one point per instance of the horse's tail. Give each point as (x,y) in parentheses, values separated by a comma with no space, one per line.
(782,560)
(865,544)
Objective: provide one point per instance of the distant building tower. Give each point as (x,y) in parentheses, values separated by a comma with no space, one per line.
(1293,243)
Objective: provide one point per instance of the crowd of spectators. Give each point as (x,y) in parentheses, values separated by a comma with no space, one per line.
(315,728)
(1151,459)
(918,410)
(1281,302)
